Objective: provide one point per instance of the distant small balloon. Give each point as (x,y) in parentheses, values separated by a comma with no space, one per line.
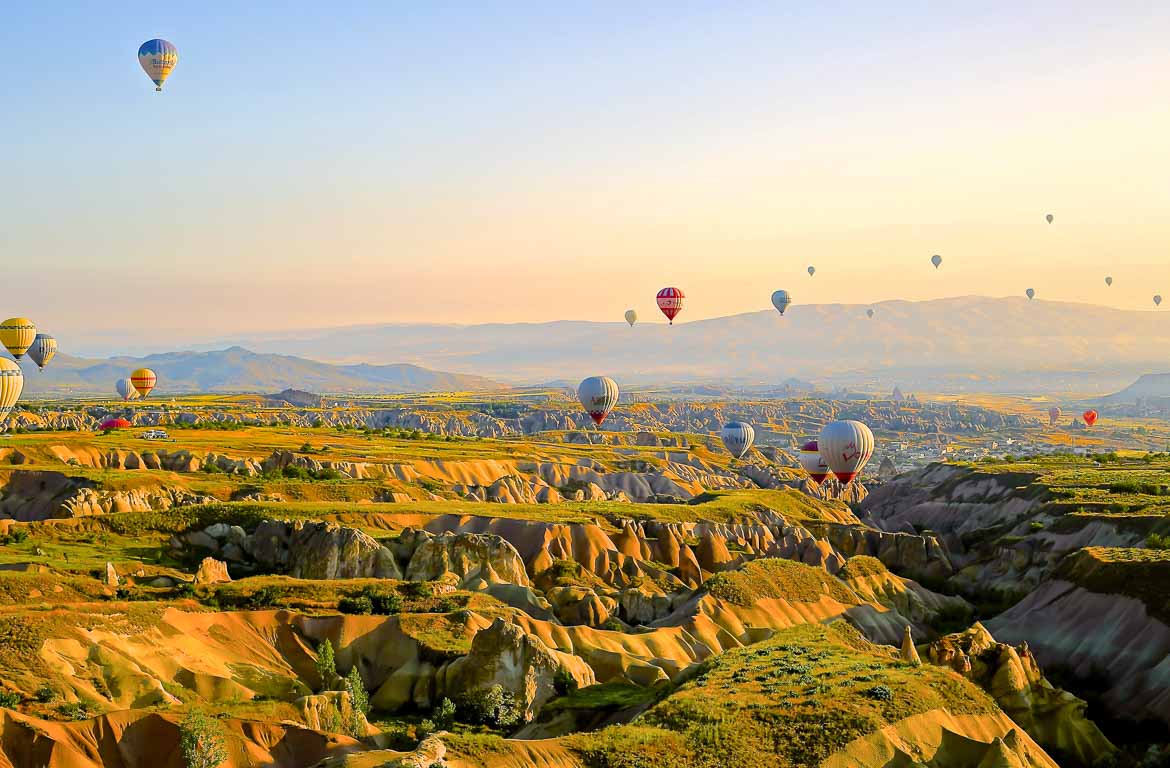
(43,348)
(781,300)
(869,313)
(936,260)
(1109,281)
(1031,293)
(631,316)
(1157,300)
(812,271)
(670,301)
(1090,417)
(157,58)
(738,438)
(1049,217)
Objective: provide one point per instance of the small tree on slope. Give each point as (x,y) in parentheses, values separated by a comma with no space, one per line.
(201,741)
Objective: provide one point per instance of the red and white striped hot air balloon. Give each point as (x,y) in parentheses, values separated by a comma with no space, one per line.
(813,464)
(846,447)
(670,301)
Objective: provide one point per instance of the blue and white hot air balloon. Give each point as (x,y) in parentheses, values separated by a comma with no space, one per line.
(158,57)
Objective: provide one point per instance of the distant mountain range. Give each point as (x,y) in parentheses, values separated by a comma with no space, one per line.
(1151,385)
(239,370)
(957,344)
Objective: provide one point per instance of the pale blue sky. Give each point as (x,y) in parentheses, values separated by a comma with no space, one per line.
(313,165)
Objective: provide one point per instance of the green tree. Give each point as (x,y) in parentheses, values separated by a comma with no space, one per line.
(201,741)
(359,703)
(444,714)
(326,663)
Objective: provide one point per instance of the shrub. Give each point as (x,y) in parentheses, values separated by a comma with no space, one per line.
(495,707)
(424,728)
(444,714)
(45,694)
(10,699)
(74,710)
(385,603)
(563,681)
(360,702)
(1154,541)
(201,741)
(880,693)
(417,589)
(355,605)
(448,605)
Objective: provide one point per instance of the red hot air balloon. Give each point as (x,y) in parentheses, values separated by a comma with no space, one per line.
(109,424)
(670,301)
(813,464)
(1090,417)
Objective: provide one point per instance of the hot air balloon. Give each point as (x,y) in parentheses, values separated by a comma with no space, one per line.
(812,271)
(869,313)
(17,335)
(1049,218)
(125,389)
(846,446)
(158,58)
(598,394)
(110,424)
(936,260)
(631,317)
(1157,300)
(143,380)
(1053,416)
(781,300)
(813,464)
(1031,293)
(43,348)
(738,438)
(1090,417)
(11,385)
(670,301)
(1109,281)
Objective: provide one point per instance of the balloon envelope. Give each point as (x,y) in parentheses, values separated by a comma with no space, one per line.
(781,300)
(813,464)
(846,446)
(737,438)
(1157,300)
(1053,415)
(17,335)
(1031,293)
(43,348)
(1109,281)
(143,380)
(936,260)
(1090,417)
(598,395)
(670,301)
(631,316)
(869,313)
(125,389)
(11,385)
(158,57)
(1049,218)
(109,424)
(812,271)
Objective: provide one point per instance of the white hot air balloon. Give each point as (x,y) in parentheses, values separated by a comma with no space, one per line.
(1109,281)
(126,390)
(813,464)
(631,317)
(846,446)
(812,271)
(598,395)
(781,300)
(11,385)
(43,348)
(738,438)
(936,260)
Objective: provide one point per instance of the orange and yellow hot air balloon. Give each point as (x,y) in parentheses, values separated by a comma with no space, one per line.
(143,380)
(17,335)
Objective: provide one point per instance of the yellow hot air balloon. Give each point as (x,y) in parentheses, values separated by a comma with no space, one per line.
(143,380)
(11,385)
(17,335)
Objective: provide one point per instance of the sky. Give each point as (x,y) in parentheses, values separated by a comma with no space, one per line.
(313,164)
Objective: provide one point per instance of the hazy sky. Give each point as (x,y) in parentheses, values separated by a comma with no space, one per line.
(317,165)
